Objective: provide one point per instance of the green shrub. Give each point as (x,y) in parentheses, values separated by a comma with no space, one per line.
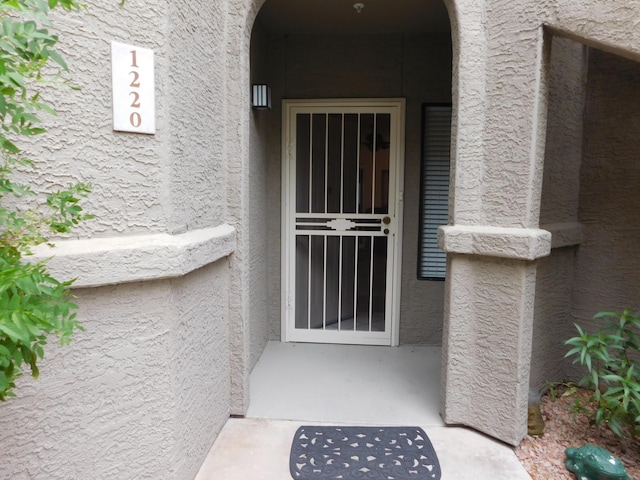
(611,357)
(33,304)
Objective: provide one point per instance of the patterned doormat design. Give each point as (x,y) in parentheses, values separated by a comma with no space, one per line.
(371,453)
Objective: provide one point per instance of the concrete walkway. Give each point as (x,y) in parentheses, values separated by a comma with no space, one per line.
(258,449)
(347,383)
(302,384)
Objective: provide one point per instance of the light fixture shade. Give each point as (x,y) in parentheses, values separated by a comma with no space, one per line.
(261,97)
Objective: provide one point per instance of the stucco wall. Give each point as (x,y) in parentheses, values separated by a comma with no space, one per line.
(589,178)
(246,190)
(559,210)
(500,117)
(124,400)
(144,391)
(417,67)
(259,220)
(100,406)
(141,393)
(426,78)
(609,257)
(199,365)
(498,336)
(129,172)
(195,76)
(500,96)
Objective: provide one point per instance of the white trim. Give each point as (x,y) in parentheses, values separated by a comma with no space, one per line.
(399,184)
(396,210)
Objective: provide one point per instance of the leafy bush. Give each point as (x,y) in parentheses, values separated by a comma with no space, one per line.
(612,359)
(33,304)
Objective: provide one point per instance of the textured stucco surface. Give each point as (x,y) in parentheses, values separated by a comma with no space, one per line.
(416,67)
(260,221)
(564,234)
(559,212)
(198,366)
(553,321)
(246,188)
(488,339)
(128,172)
(604,25)
(196,74)
(109,261)
(565,117)
(100,408)
(501,75)
(499,110)
(590,170)
(139,394)
(143,392)
(516,243)
(609,257)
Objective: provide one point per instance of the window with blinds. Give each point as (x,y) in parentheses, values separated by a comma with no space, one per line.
(434,189)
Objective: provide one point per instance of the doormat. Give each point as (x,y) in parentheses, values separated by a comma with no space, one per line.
(372,453)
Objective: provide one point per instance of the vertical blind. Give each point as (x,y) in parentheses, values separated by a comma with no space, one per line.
(434,188)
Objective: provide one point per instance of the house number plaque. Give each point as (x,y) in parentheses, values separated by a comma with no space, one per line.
(133,83)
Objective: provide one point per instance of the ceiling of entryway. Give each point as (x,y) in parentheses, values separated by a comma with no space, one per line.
(340,16)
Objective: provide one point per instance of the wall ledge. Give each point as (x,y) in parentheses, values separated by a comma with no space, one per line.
(503,242)
(567,234)
(96,262)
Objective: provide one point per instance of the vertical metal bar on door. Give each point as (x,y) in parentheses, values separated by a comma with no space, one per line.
(309,283)
(310,210)
(342,163)
(374,178)
(371,283)
(326,163)
(357,238)
(310,168)
(373,164)
(340,283)
(324,286)
(355,281)
(326,210)
(358,186)
(340,244)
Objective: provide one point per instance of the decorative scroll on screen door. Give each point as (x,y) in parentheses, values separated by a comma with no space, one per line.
(133,83)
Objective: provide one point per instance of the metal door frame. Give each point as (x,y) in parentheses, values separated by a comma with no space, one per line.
(397,109)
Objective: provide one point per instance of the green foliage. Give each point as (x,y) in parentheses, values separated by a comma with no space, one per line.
(569,389)
(33,304)
(612,359)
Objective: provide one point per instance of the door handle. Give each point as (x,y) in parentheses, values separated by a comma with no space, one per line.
(386,220)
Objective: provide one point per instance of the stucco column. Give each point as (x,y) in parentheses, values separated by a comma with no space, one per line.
(488,326)
(494,240)
(247,302)
(237,145)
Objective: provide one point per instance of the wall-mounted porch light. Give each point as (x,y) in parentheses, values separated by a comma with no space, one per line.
(261,97)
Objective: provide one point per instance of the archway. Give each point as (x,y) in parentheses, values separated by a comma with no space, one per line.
(330,50)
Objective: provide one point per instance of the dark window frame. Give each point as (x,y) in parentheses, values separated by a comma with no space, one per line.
(428,238)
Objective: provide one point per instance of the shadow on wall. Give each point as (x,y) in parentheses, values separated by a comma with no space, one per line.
(591,177)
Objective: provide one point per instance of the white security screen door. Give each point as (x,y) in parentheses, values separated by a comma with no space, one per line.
(342,177)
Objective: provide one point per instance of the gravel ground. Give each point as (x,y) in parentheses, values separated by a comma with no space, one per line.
(544,457)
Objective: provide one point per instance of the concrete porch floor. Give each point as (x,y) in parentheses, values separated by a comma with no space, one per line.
(298,384)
